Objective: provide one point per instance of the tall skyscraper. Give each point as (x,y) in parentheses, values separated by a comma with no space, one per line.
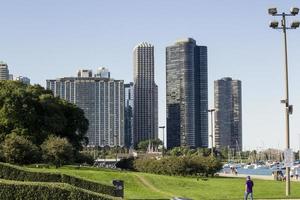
(102,101)
(228,114)
(4,73)
(187,94)
(128,114)
(145,112)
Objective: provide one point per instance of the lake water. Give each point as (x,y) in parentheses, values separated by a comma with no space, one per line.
(266,172)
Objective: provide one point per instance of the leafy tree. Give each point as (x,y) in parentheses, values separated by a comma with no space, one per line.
(19,150)
(37,112)
(57,151)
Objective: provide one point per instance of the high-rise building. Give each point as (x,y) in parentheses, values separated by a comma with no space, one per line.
(145,112)
(4,73)
(187,94)
(103,72)
(23,79)
(102,101)
(128,114)
(228,114)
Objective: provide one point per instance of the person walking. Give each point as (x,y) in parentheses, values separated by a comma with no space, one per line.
(248,188)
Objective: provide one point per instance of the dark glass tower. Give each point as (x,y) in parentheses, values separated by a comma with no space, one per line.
(128,114)
(145,112)
(187,94)
(228,115)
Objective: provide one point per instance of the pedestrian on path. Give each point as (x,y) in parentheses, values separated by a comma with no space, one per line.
(248,188)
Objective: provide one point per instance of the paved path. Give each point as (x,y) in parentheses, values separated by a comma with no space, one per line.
(263,177)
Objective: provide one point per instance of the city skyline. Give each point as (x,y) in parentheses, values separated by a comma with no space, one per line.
(40,45)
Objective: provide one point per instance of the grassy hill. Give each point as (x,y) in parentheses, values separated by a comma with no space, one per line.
(150,186)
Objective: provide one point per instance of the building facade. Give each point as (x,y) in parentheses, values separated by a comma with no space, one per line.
(23,79)
(228,114)
(4,72)
(186,94)
(128,114)
(102,101)
(103,72)
(145,112)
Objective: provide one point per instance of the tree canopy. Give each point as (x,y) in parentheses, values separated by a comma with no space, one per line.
(35,113)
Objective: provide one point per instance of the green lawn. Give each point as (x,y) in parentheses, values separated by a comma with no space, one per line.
(150,186)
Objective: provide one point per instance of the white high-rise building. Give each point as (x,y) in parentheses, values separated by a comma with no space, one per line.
(102,101)
(145,112)
(4,72)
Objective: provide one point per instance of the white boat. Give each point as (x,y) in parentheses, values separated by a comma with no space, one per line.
(249,166)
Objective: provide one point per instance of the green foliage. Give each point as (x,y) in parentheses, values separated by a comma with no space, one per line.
(88,185)
(39,114)
(57,151)
(126,163)
(83,157)
(179,166)
(143,145)
(43,191)
(11,172)
(18,149)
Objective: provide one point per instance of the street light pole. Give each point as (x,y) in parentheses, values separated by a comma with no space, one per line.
(288,107)
(163,149)
(212,130)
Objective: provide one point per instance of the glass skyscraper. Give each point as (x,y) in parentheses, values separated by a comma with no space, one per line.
(128,113)
(145,112)
(102,100)
(228,114)
(187,94)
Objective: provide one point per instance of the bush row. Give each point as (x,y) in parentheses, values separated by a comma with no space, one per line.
(12,172)
(179,166)
(44,191)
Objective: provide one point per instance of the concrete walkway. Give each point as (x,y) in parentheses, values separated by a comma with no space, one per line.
(262,177)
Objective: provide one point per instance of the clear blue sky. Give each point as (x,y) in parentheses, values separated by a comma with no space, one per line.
(53,38)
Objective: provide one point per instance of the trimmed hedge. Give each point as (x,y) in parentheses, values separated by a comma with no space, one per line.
(12,172)
(13,190)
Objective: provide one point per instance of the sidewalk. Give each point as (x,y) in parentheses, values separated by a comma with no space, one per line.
(262,177)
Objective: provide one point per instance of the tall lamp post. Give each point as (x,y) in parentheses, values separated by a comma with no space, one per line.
(288,107)
(163,149)
(212,130)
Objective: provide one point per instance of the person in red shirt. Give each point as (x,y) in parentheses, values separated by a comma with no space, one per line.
(248,188)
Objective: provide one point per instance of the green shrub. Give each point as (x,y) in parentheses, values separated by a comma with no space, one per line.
(12,190)
(126,163)
(11,172)
(179,166)
(84,158)
(18,149)
(57,151)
